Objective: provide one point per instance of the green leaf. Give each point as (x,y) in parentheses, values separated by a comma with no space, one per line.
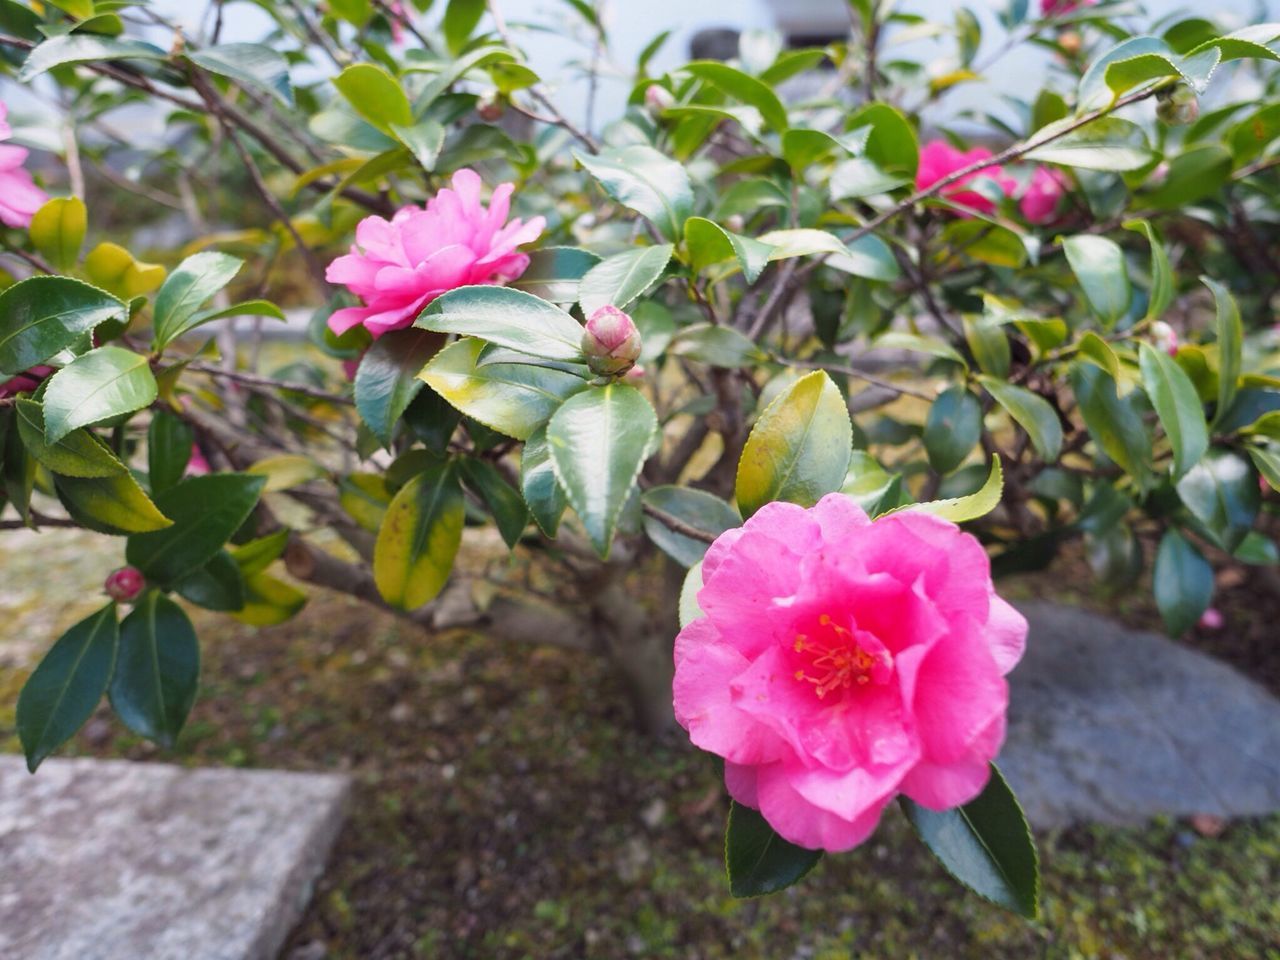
(989,344)
(718,346)
(157,669)
(986,242)
(932,346)
(376,96)
(554,273)
(1177,404)
(1136,62)
(859,177)
(507,317)
(253,65)
(170,441)
(507,506)
(799,448)
(78,454)
(646,181)
(195,280)
(419,538)
(1230,345)
(619,279)
(743,88)
(971,507)
(709,244)
(387,378)
(256,555)
(40,316)
(1182,583)
(1114,422)
(1195,175)
(893,146)
(1221,492)
(1267,460)
(269,601)
(952,429)
(513,398)
(286,471)
(57,229)
(986,845)
(870,486)
(218,585)
(1109,144)
(206,511)
(1098,264)
(1258,42)
(1032,412)
(102,384)
(542,491)
(758,861)
(424,140)
(1163,288)
(62,692)
(868,257)
(114,504)
(599,440)
(17,467)
(460,20)
(84,48)
(696,508)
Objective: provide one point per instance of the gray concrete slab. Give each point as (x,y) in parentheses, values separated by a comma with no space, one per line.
(1113,725)
(111,860)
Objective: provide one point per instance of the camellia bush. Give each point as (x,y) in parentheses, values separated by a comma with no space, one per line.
(724,372)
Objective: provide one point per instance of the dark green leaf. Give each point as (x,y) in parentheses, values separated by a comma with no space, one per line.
(1114,422)
(952,429)
(507,317)
(84,48)
(1221,491)
(1098,264)
(43,315)
(542,491)
(170,441)
(218,585)
(1230,345)
(758,861)
(253,65)
(387,378)
(1032,412)
(504,502)
(554,273)
(1177,404)
(78,454)
(1182,583)
(157,669)
(696,508)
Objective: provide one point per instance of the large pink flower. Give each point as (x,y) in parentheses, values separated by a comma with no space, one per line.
(840,662)
(938,159)
(1039,203)
(20,198)
(399,266)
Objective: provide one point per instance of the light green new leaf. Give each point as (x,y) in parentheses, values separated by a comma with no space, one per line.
(375,95)
(57,229)
(1163,288)
(868,256)
(112,505)
(78,454)
(424,140)
(85,48)
(1109,144)
(1177,404)
(419,538)
(743,88)
(460,20)
(102,384)
(195,280)
(975,505)
(619,279)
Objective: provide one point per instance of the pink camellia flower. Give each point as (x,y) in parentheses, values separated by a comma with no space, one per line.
(610,341)
(399,266)
(1211,619)
(1039,203)
(1059,8)
(20,198)
(24,382)
(124,584)
(840,661)
(938,159)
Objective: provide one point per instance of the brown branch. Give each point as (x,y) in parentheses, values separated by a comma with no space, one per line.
(253,379)
(676,525)
(38,520)
(859,375)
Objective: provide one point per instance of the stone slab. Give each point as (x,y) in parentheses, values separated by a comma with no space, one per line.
(112,860)
(1111,725)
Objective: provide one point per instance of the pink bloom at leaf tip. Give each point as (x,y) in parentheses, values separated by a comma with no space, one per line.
(839,662)
(20,198)
(400,265)
(938,159)
(1039,203)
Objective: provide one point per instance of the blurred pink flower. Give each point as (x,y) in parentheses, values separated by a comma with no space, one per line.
(396,9)
(24,382)
(399,266)
(1039,203)
(20,198)
(1165,337)
(938,159)
(1058,8)
(1211,619)
(839,662)
(197,466)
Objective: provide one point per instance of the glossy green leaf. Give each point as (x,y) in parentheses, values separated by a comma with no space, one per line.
(893,146)
(542,491)
(375,95)
(193,281)
(1177,404)
(799,448)
(952,429)
(1108,144)
(709,243)
(66,686)
(599,439)
(758,861)
(971,507)
(1114,422)
(647,181)
(989,345)
(78,454)
(460,20)
(114,504)
(419,538)
(1163,288)
(868,257)
(696,508)
(1182,583)
(507,317)
(424,140)
(717,346)
(170,443)
(986,845)
(619,279)
(1136,62)
(157,669)
(1230,345)
(206,511)
(1098,264)
(42,315)
(513,398)
(1032,412)
(387,378)
(554,273)
(503,500)
(104,383)
(860,177)
(742,87)
(253,65)
(84,48)
(1221,491)
(17,467)
(57,229)
(218,585)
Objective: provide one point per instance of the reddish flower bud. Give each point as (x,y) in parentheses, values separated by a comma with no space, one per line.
(1165,337)
(490,108)
(125,584)
(657,98)
(610,342)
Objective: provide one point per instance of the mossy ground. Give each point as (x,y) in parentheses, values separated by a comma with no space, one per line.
(504,809)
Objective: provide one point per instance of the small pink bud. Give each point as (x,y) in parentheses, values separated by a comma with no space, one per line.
(1165,337)
(610,342)
(734,223)
(1211,619)
(635,375)
(124,584)
(658,98)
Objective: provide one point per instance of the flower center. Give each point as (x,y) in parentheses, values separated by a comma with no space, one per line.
(837,658)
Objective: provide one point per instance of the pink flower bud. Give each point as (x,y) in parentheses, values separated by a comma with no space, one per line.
(490,108)
(1211,619)
(657,98)
(735,223)
(1165,337)
(610,342)
(635,375)
(125,584)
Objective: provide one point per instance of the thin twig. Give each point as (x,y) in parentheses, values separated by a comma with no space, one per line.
(859,375)
(253,379)
(677,525)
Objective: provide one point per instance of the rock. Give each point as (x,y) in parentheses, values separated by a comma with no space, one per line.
(106,859)
(1112,725)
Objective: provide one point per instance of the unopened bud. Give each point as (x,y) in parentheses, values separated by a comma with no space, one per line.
(1165,337)
(635,375)
(124,584)
(1069,42)
(734,223)
(1177,107)
(658,98)
(1211,619)
(610,342)
(490,108)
